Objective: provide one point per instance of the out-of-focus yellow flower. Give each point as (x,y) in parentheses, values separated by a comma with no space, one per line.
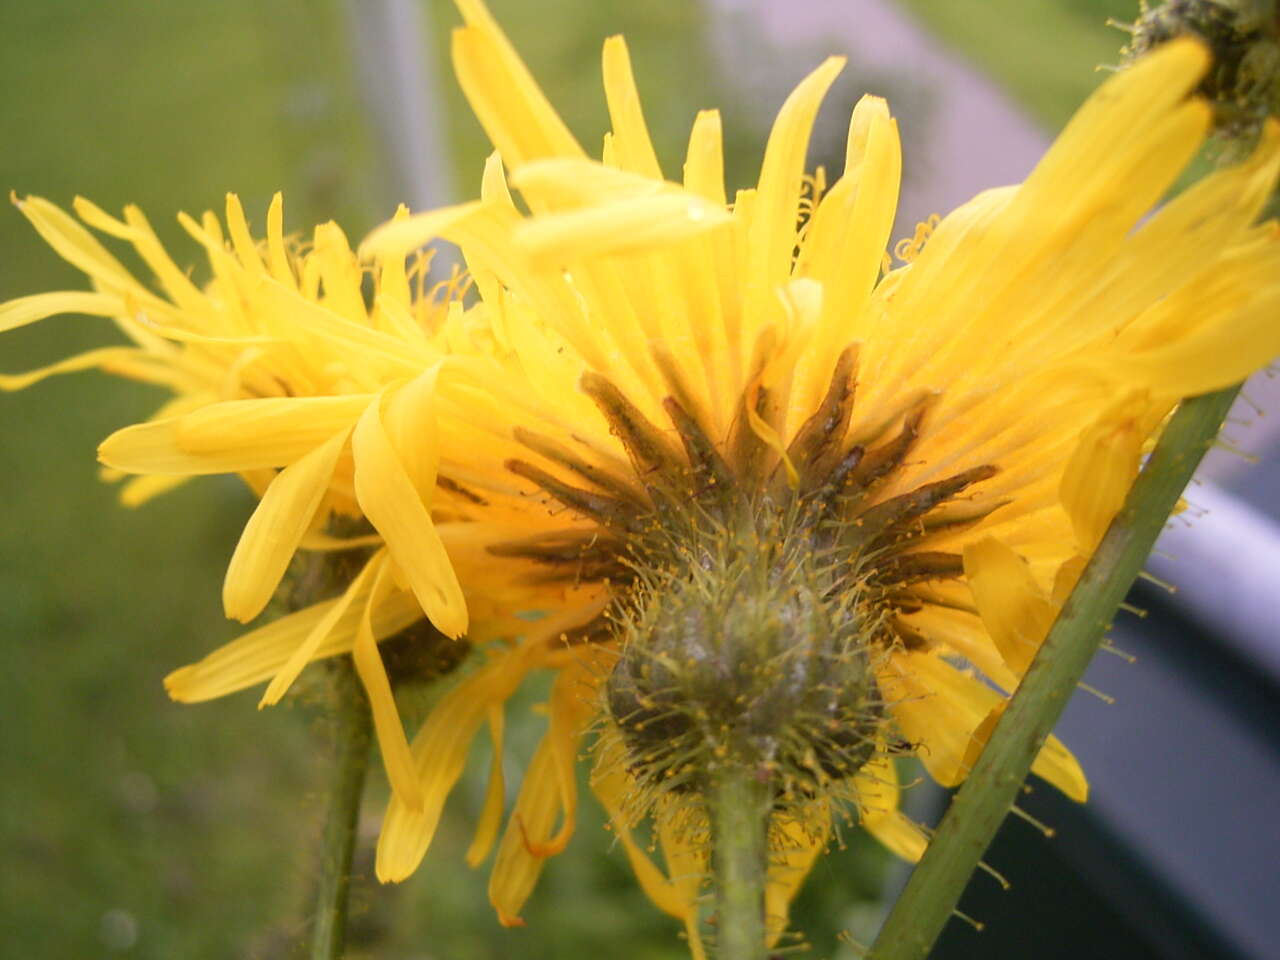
(283,374)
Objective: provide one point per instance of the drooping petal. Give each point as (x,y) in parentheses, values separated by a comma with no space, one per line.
(799,844)
(1055,763)
(876,786)
(612,785)
(490,818)
(937,708)
(396,756)
(548,793)
(394,506)
(355,597)
(1102,469)
(1014,609)
(259,655)
(440,753)
(273,533)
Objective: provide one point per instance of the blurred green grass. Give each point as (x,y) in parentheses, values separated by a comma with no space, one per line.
(137,827)
(1049,54)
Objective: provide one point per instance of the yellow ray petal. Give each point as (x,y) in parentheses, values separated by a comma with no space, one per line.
(268,431)
(612,785)
(123,361)
(568,183)
(1014,609)
(393,280)
(1168,250)
(174,281)
(273,533)
(686,863)
(503,94)
(1241,337)
(440,752)
(846,241)
(258,655)
(937,708)
(245,247)
(549,791)
(411,425)
(621,226)
(153,448)
(798,845)
(394,506)
(396,756)
(77,245)
(704,160)
(634,148)
(1121,112)
(495,795)
(964,633)
(1102,469)
(340,273)
(24,310)
(310,322)
(140,490)
(306,650)
(1055,763)
(397,237)
(518,864)
(773,224)
(277,253)
(900,836)
(877,792)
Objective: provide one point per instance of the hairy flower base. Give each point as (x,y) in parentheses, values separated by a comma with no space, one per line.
(757,594)
(755,590)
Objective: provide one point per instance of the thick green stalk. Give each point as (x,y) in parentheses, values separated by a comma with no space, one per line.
(351,738)
(980,806)
(739,804)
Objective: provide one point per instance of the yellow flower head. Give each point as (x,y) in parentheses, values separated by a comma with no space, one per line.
(283,374)
(757,495)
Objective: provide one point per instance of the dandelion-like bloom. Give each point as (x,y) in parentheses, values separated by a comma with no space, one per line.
(282,374)
(834,505)
(762,498)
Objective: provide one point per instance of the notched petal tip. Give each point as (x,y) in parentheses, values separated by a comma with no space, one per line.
(177,682)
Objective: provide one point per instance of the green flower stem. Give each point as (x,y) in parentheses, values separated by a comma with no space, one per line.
(739,804)
(351,736)
(980,806)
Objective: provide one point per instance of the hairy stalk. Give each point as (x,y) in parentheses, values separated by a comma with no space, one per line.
(739,804)
(351,739)
(982,803)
